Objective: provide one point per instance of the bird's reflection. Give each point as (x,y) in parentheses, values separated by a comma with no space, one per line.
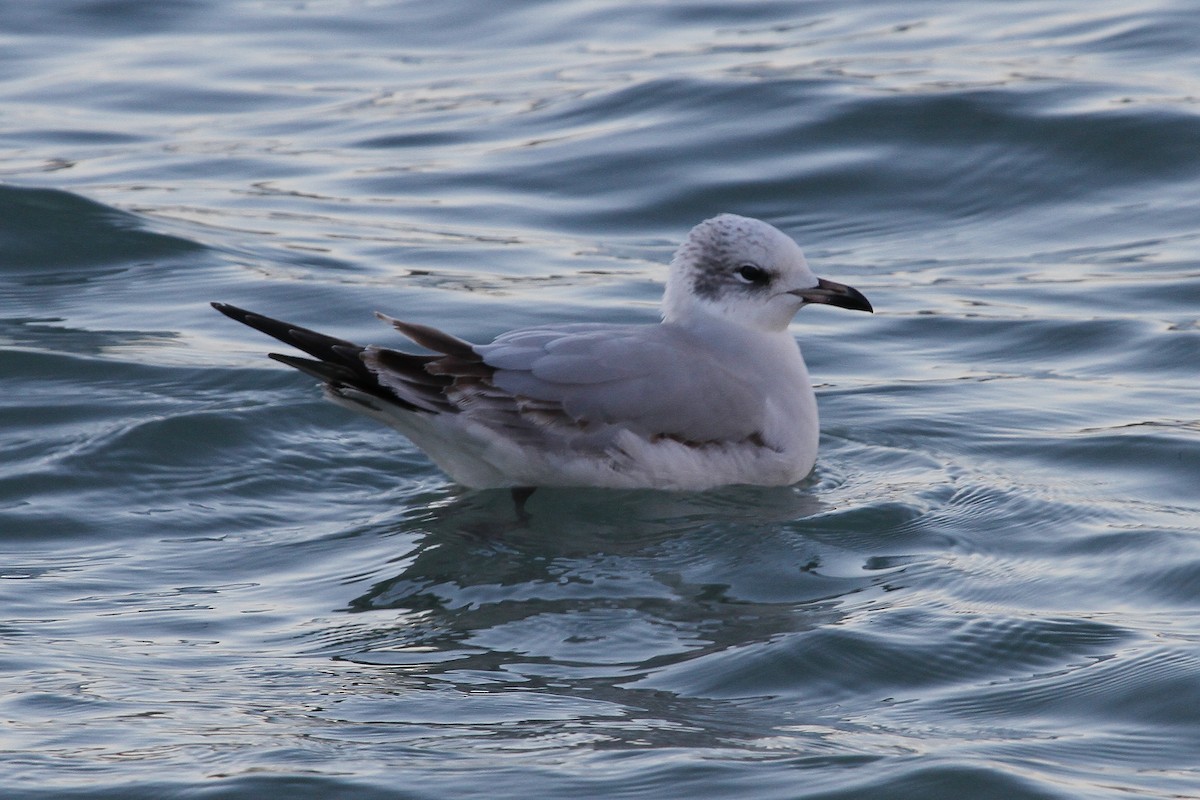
(673,556)
(597,594)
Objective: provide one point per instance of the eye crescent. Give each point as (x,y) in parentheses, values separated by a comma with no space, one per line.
(749,273)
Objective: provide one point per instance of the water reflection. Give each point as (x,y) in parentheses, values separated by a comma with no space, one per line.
(596,592)
(599,585)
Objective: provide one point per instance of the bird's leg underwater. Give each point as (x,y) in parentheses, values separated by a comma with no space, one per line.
(519,495)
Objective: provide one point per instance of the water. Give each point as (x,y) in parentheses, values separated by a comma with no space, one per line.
(216,585)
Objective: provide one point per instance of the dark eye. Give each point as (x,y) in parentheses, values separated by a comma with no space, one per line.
(752,274)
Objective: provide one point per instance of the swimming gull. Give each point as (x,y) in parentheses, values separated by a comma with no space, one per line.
(715,394)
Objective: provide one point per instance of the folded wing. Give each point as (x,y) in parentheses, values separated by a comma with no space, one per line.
(580,384)
(655,380)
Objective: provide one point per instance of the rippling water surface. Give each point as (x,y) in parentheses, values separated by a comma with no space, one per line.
(214,584)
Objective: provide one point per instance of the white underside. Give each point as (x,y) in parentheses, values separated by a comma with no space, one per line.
(481,458)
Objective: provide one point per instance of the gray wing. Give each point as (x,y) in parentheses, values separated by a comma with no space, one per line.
(655,380)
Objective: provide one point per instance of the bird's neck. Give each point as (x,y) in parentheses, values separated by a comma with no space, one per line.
(722,333)
(700,317)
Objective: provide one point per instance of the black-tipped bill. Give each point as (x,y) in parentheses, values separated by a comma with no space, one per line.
(835,294)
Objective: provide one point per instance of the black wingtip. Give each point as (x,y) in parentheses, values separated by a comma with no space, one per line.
(310,341)
(334,374)
(337,363)
(340,364)
(233,312)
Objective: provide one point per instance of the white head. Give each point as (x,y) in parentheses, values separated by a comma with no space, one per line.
(746,272)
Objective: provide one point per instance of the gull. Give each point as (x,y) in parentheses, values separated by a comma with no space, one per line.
(715,394)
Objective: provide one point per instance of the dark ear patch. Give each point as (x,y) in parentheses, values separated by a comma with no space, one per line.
(707,279)
(716,261)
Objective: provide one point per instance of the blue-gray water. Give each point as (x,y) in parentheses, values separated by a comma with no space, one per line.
(215,585)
